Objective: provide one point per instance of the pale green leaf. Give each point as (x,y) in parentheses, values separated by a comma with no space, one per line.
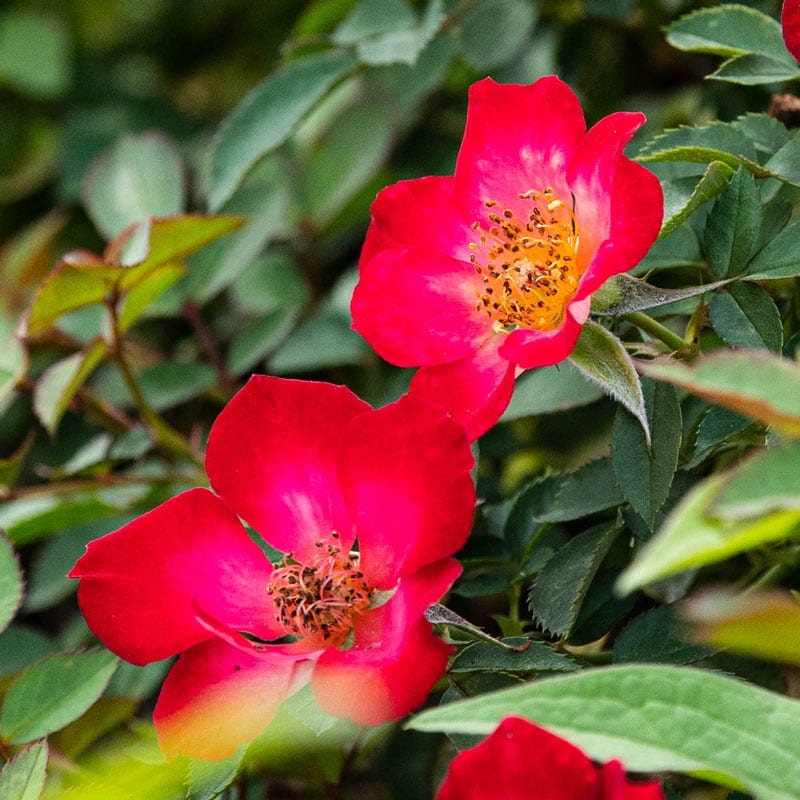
(646,717)
(13,364)
(52,693)
(550,389)
(23,777)
(602,358)
(59,383)
(755,383)
(269,115)
(10,582)
(140,176)
(692,536)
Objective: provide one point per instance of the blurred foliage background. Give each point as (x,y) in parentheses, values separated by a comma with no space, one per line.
(108,112)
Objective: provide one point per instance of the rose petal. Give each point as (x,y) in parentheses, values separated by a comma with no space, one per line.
(790,22)
(217,697)
(416,306)
(429,220)
(476,390)
(531,349)
(615,785)
(517,138)
(271,456)
(405,475)
(141,584)
(395,660)
(516,757)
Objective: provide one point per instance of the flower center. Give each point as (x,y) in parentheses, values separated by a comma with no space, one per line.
(528,266)
(322,598)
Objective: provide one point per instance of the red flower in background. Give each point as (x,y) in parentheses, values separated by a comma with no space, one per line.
(313,469)
(790,22)
(521,761)
(477,276)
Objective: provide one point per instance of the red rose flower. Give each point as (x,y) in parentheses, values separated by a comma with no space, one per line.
(313,469)
(790,22)
(521,761)
(480,275)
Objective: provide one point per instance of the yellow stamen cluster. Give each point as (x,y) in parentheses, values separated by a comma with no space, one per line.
(528,267)
(322,598)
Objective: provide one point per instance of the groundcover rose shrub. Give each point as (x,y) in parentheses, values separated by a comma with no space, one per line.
(478,276)
(313,469)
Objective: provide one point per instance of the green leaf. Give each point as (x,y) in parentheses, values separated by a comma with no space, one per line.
(207,780)
(59,383)
(23,777)
(10,582)
(759,385)
(21,646)
(753,69)
(560,498)
(172,383)
(494,32)
(693,536)
(645,472)
(785,162)
(388,32)
(550,389)
(623,294)
(52,693)
(778,259)
(641,715)
(557,594)
(140,176)
(767,481)
(66,289)
(655,637)
(319,342)
(602,358)
(140,297)
(13,365)
(744,315)
(269,115)
(716,428)
(699,143)
(34,54)
(527,657)
(728,30)
(682,198)
(734,225)
(760,624)
(253,344)
(767,134)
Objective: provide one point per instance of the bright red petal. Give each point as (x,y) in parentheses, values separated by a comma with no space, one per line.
(531,349)
(475,390)
(519,761)
(140,585)
(790,22)
(405,475)
(421,214)
(217,697)
(271,456)
(517,138)
(395,660)
(417,306)
(618,203)
(615,785)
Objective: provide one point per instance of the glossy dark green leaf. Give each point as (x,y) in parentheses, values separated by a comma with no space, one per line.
(753,69)
(745,315)
(716,428)
(733,226)
(530,657)
(778,259)
(645,472)
(559,589)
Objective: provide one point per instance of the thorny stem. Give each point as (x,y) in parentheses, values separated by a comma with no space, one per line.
(657,330)
(165,435)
